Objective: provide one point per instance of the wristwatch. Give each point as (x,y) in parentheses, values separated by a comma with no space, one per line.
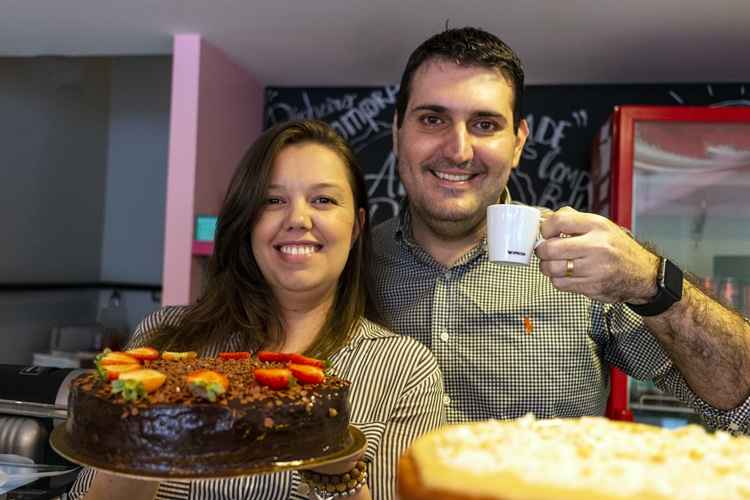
(669,290)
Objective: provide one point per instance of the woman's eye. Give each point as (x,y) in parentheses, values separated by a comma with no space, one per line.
(324,200)
(273,201)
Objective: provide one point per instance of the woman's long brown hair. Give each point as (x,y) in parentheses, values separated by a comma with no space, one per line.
(236,299)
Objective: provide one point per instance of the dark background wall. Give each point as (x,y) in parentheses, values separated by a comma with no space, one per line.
(563,121)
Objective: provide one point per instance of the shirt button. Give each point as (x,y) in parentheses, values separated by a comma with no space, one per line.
(444,336)
(733,427)
(448,275)
(446,400)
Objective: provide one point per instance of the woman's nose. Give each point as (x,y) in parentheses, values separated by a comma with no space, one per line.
(299,217)
(458,146)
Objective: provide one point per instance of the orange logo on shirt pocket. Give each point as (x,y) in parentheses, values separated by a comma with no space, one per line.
(528,325)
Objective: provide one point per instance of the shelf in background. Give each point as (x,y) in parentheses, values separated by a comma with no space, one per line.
(204,248)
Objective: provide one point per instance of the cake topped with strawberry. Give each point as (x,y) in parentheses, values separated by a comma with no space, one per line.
(174,413)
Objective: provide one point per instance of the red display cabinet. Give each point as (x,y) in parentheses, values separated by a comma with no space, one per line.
(679,178)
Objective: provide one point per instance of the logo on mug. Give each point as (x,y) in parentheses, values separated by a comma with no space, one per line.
(516,252)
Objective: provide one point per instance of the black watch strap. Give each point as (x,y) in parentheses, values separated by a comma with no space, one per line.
(669,290)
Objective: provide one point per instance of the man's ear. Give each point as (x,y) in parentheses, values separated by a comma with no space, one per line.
(394,133)
(521,136)
(358,225)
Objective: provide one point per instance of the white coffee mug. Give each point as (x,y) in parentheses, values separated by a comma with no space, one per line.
(512,233)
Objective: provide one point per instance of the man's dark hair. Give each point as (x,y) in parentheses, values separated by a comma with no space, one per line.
(468,47)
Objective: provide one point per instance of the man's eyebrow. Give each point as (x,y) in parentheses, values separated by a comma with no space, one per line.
(436,108)
(490,114)
(430,107)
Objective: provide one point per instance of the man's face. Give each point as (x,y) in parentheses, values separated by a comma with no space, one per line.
(456,147)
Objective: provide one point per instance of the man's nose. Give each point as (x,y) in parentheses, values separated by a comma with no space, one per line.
(299,216)
(458,147)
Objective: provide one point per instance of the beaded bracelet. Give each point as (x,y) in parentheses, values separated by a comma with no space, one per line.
(339,485)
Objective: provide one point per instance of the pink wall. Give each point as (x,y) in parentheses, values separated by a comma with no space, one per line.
(230,118)
(216,113)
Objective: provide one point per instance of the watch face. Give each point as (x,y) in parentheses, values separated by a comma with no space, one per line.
(672,280)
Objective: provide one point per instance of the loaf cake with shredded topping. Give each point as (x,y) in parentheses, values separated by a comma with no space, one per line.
(565,459)
(175,430)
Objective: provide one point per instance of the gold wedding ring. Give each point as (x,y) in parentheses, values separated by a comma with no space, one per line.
(569,266)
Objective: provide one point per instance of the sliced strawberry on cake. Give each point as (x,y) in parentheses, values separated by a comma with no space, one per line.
(116,358)
(306,374)
(137,383)
(179,356)
(107,363)
(299,359)
(143,353)
(275,378)
(273,357)
(207,384)
(113,372)
(234,355)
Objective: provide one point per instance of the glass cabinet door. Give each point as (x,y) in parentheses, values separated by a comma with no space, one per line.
(691,199)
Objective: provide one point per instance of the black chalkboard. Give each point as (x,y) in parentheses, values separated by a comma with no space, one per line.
(563,122)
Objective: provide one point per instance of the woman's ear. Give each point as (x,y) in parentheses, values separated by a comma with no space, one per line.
(359,223)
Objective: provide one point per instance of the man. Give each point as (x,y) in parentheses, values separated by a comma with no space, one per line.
(512,340)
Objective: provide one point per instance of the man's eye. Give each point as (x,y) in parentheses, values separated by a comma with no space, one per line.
(486,126)
(431,120)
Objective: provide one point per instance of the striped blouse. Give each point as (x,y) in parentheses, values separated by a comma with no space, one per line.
(396,395)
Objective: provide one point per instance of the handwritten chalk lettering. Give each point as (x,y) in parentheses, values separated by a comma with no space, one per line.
(384,207)
(547,131)
(352,122)
(553,194)
(522,187)
(558,171)
(559,174)
(387,177)
(330,106)
(529,151)
(361,120)
(281,111)
(581,117)
(391,91)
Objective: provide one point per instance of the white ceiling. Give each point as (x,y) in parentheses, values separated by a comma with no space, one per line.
(361,42)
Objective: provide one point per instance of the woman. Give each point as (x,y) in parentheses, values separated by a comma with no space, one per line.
(289,273)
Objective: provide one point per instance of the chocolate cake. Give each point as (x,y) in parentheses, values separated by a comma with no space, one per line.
(174,432)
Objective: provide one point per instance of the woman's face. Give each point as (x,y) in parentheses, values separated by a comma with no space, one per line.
(306,228)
